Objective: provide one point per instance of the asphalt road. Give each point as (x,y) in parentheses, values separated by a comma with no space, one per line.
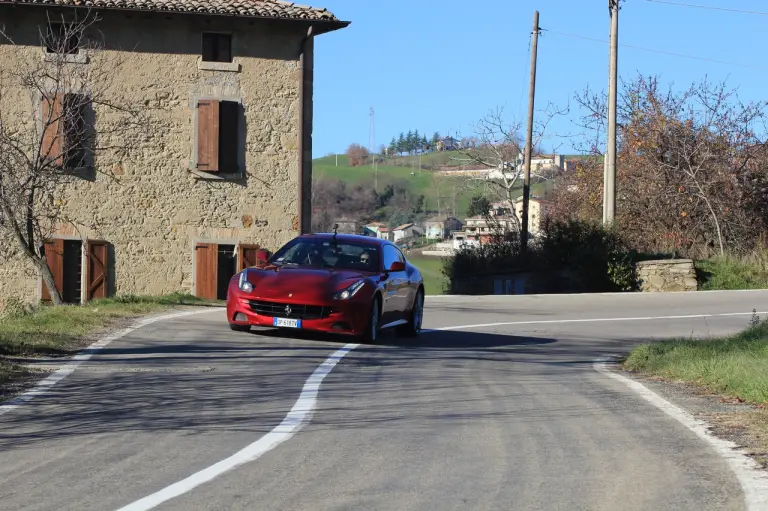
(510,416)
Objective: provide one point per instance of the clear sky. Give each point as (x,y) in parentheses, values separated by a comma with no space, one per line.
(441,65)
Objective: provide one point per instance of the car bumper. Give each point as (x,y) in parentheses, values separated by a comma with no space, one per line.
(345,318)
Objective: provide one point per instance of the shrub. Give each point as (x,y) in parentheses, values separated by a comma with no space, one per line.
(569,255)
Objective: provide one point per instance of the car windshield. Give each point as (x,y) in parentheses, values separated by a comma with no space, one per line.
(327,253)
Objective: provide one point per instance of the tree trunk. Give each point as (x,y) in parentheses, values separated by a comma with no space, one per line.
(48,281)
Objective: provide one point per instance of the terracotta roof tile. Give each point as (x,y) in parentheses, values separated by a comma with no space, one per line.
(242,8)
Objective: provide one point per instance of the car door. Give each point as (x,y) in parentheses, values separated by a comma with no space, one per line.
(392,308)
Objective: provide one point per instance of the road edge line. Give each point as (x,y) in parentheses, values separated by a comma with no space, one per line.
(81,356)
(298,417)
(753,480)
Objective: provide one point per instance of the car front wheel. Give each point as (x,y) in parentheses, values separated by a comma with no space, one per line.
(371,333)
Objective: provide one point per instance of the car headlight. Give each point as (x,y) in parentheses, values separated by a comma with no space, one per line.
(349,292)
(244,284)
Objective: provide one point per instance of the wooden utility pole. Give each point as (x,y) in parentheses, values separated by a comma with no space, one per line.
(609,183)
(529,137)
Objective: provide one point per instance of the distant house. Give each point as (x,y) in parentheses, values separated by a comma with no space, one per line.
(441,228)
(405,231)
(384,233)
(373,228)
(447,144)
(537,213)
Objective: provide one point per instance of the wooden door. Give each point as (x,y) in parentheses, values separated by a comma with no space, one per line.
(247,256)
(206,270)
(96,270)
(54,256)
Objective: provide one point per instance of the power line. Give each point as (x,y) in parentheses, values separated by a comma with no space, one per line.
(663,52)
(708,7)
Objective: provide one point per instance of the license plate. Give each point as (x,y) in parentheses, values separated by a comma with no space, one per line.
(286,323)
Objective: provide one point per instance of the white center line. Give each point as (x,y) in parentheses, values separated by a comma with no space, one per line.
(298,417)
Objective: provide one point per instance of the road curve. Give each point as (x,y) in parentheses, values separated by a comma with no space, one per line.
(508,415)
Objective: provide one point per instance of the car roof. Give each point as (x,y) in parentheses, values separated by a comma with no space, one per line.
(368,240)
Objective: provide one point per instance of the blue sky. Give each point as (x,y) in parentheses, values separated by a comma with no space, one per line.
(441,65)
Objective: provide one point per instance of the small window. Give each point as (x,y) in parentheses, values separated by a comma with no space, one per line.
(62,38)
(217,48)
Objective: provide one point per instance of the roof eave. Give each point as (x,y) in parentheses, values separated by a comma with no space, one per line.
(321,26)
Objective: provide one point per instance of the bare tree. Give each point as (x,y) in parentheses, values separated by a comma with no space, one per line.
(499,149)
(691,167)
(53,143)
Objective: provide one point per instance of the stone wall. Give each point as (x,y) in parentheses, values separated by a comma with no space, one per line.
(154,206)
(670,275)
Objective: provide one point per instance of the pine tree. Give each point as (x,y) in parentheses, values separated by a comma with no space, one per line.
(435,140)
(401,144)
(410,143)
(416,141)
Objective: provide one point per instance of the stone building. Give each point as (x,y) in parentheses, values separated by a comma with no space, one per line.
(222,167)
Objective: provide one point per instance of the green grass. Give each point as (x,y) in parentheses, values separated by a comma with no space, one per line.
(430,268)
(732,273)
(48,330)
(736,366)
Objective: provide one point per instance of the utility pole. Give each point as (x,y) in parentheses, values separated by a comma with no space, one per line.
(609,183)
(529,138)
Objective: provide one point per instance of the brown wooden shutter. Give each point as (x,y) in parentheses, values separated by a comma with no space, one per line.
(247,256)
(52,121)
(208,135)
(54,256)
(96,272)
(206,270)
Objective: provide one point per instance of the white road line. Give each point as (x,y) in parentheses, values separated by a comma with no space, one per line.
(298,417)
(616,293)
(591,320)
(754,482)
(46,384)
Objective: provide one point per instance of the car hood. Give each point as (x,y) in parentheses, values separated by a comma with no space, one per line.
(303,283)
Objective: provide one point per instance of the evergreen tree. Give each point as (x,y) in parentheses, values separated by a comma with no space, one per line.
(393,146)
(410,143)
(435,140)
(401,144)
(416,141)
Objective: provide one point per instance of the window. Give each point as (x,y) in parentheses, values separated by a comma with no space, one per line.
(64,130)
(62,38)
(391,255)
(217,47)
(218,135)
(327,253)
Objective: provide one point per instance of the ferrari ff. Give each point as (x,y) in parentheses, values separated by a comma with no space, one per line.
(335,283)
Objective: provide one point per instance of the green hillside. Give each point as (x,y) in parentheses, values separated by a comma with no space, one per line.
(428,183)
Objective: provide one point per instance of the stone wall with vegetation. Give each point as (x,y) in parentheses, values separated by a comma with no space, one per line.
(672,275)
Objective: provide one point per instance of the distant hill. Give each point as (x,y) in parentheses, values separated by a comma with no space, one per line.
(406,168)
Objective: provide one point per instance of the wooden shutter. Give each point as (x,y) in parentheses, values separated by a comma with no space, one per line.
(52,121)
(228,136)
(54,256)
(96,272)
(206,270)
(247,256)
(208,135)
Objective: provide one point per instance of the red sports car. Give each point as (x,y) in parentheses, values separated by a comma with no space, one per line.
(336,283)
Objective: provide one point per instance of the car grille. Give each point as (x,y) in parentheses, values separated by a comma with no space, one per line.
(298,311)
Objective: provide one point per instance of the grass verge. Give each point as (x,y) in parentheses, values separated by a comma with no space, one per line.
(733,273)
(62,331)
(736,366)
(734,369)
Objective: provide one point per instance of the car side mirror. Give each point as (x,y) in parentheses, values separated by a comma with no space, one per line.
(397,266)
